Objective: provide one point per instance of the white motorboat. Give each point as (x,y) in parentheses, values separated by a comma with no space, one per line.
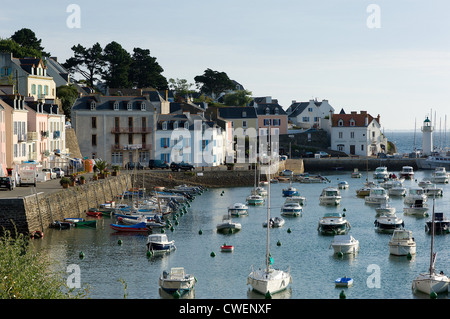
(275,222)
(385,208)
(397,189)
(330,196)
(388,223)
(268,280)
(259,191)
(407,172)
(440,222)
(440,176)
(296,199)
(290,191)
(381,173)
(345,244)
(291,209)
(159,243)
(255,200)
(333,223)
(177,281)
(402,243)
(238,209)
(227,226)
(431,282)
(343,185)
(377,195)
(424,183)
(419,208)
(415,193)
(432,190)
(356,173)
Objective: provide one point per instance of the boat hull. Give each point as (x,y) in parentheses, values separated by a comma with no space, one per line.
(271,282)
(402,249)
(428,283)
(138,228)
(346,248)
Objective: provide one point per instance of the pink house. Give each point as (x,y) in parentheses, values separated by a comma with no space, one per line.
(37,132)
(3,171)
(270,113)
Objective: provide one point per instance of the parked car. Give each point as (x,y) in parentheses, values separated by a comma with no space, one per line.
(308,154)
(182,166)
(158,164)
(53,174)
(59,172)
(133,165)
(7,182)
(322,154)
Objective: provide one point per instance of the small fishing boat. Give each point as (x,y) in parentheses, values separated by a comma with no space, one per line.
(440,222)
(402,243)
(356,173)
(92,213)
(343,185)
(343,282)
(388,223)
(345,244)
(333,224)
(415,193)
(330,196)
(238,209)
(177,281)
(60,225)
(86,223)
(407,172)
(290,191)
(255,200)
(136,228)
(377,195)
(385,208)
(227,226)
(73,219)
(274,222)
(381,173)
(418,208)
(159,243)
(291,209)
(227,248)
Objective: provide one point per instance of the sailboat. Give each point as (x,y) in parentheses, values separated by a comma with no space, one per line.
(431,282)
(268,280)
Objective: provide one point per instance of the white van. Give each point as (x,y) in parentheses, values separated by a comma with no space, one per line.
(27,177)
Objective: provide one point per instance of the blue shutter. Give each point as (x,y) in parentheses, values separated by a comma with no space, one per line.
(162,142)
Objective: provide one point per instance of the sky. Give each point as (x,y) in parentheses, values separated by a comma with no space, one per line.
(390,57)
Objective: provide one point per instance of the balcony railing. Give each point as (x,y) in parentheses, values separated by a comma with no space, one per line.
(129,147)
(32,136)
(128,130)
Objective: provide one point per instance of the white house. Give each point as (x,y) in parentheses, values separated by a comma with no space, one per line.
(310,114)
(357,134)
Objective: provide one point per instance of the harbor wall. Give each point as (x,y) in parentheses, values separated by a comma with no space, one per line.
(362,164)
(37,211)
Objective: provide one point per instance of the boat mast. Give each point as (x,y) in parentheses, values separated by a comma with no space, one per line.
(269,151)
(432,255)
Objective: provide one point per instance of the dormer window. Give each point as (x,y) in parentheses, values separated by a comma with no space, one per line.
(175,125)
(93,106)
(116,106)
(186,125)
(276,111)
(352,122)
(129,106)
(143,106)
(267,111)
(164,126)
(341,122)
(244,114)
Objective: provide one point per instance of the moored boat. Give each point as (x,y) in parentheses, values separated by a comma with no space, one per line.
(415,193)
(227,248)
(333,224)
(136,228)
(275,222)
(440,222)
(177,281)
(377,195)
(345,244)
(291,209)
(330,196)
(402,243)
(255,200)
(343,282)
(418,208)
(388,223)
(407,172)
(159,243)
(290,191)
(238,209)
(381,173)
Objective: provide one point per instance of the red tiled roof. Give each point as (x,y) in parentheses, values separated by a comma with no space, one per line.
(360,119)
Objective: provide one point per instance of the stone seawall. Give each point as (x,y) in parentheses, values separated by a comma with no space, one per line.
(36,212)
(348,164)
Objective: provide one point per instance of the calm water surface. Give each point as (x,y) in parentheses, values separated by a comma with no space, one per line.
(313,265)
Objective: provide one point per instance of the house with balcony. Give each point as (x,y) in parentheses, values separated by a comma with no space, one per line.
(55,136)
(28,75)
(307,115)
(190,138)
(270,113)
(37,139)
(357,134)
(117,129)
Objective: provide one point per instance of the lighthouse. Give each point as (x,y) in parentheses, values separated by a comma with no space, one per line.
(427,137)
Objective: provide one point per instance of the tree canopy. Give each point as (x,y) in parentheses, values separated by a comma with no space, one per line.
(23,43)
(214,82)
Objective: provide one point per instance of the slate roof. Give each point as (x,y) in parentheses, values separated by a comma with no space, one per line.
(107,103)
(235,112)
(298,107)
(261,109)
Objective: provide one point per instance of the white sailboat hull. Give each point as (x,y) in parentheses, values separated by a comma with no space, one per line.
(428,283)
(273,281)
(402,249)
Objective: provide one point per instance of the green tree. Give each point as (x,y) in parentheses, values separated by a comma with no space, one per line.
(68,94)
(214,82)
(145,71)
(181,88)
(239,98)
(18,51)
(26,38)
(88,62)
(117,61)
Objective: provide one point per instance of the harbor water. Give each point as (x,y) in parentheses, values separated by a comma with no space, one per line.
(313,265)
